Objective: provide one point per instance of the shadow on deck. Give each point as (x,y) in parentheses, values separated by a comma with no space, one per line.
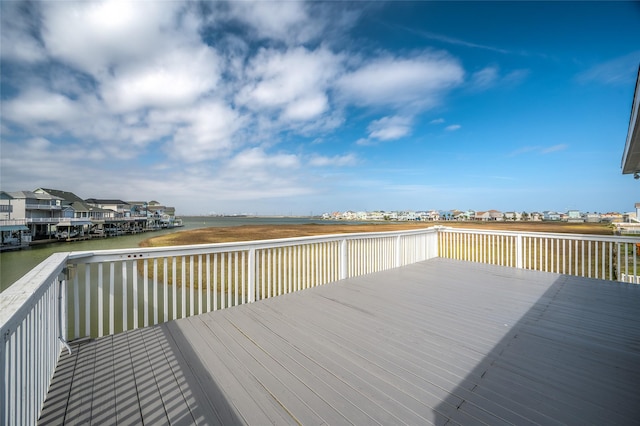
(436,342)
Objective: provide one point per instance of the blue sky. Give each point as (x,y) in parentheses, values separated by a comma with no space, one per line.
(298,108)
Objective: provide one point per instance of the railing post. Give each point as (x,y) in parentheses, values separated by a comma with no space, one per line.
(519,251)
(343,259)
(435,243)
(398,253)
(252,275)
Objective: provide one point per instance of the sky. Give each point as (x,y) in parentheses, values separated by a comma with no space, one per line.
(298,108)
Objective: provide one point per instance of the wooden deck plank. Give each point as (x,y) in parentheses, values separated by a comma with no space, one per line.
(102,393)
(60,389)
(344,396)
(288,388)
(126,395)
(220,369)
(151,407)
(81,398)
(439,342)
(182,407)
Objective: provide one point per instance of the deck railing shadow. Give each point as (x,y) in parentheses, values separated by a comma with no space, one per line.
(564,362)
(121,389)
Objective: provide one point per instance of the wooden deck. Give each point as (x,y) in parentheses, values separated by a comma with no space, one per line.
(436,342)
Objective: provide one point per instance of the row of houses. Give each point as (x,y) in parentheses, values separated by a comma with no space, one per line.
(489,215)
(45,213)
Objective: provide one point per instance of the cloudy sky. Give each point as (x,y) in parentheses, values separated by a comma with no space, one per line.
(295,108)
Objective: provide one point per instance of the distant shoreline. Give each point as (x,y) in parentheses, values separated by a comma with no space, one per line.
(250,232)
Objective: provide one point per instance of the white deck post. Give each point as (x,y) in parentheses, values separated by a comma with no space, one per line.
(519,253)
(343,259)
(398,253)
(251,277)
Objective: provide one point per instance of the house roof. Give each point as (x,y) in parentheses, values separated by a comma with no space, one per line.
(631,154)
(104,201)
(68,196)
(31,195)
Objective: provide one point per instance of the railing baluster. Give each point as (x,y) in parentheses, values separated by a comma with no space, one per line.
(155,291)
(165,288)
(87,299)
(229,283)
(125,322)
(76,307)
(215,282)
(192,303)
(100,302)
(174,278)
(208,272)
(145,292)
(183,288)
(135,295)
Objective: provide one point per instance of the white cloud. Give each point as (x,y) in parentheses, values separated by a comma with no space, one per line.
(285,21)
(537,149)
(620,70)
(306,108)
(437,121)
(491,76)
(256,174)
(389,128)
(292,83)
(555,148)
(334,161)
(417,81)
(37,105)
(202,132)
(452,127)
(18,43)
(485,78)
(177,78)
(95,36)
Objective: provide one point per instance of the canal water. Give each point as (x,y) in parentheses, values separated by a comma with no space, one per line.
(14,264)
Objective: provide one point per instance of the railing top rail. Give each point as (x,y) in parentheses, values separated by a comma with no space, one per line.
(558,235)
(24,293)
(186,250)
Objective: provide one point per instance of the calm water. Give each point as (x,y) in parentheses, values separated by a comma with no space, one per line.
(15,264)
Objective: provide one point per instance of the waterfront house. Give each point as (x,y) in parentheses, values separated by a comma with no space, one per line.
(120,208)
(39,212)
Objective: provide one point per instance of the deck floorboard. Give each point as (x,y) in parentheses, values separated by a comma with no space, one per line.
(438,342)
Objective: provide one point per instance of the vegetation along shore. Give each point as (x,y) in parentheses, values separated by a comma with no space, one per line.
(265,232)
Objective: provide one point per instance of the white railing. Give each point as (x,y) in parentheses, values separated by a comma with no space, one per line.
(105,292)
(32,318)
(114,291)
(592,256)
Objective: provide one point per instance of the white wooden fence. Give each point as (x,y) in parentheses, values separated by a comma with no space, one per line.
(73,295)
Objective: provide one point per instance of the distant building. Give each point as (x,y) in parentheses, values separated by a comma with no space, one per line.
(574,216)
(549,215)
(593,217)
